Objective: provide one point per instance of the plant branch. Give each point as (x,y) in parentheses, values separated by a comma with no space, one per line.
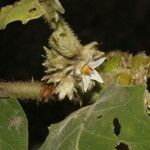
(26,90)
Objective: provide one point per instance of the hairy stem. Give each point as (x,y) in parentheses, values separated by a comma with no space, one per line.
(26,90)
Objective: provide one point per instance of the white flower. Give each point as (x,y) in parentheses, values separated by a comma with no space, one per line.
(88,72)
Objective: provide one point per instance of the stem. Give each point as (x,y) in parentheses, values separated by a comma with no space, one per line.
(26,90)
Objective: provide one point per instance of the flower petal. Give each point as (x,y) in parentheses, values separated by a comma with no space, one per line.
(96,76)
(96,63)
(86,81)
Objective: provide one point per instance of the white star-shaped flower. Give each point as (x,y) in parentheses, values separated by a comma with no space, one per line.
(88,72)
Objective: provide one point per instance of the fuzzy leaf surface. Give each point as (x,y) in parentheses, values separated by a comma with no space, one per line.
(23,10)
(13,125)
(117,119)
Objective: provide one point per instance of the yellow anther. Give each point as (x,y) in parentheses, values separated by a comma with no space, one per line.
(86,70)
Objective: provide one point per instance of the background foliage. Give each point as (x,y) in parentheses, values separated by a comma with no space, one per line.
(13,125)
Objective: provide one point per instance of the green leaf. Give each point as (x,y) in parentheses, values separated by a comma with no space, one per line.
(111,64)
(117,118)
(13,125)
(23,10)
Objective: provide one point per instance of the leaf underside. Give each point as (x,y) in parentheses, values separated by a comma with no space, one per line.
(117,120)
(13,125)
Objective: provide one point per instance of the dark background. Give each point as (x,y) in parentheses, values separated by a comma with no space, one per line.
(115,24)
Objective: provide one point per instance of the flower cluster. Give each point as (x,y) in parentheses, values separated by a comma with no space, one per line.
(68,74)
(70,66)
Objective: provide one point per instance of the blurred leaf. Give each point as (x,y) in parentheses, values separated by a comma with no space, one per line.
(13,126)
(117,120)
(23,10)
(111,64)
